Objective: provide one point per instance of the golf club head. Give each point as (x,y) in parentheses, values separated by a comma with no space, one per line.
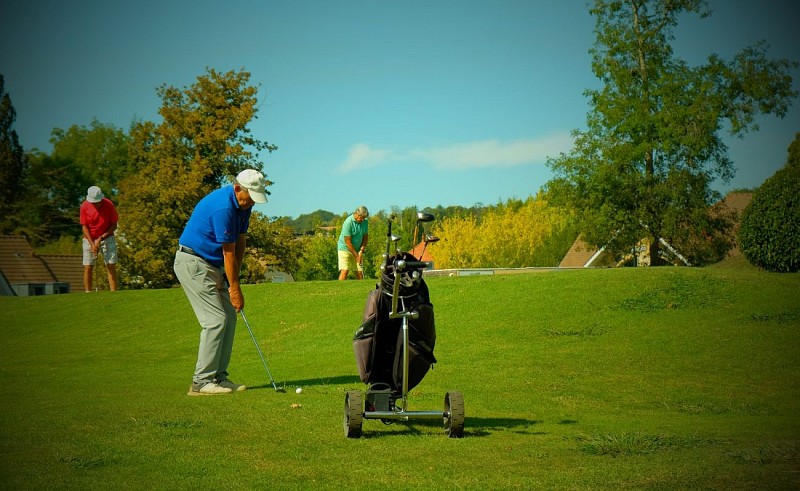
(424,217)
(395,238)
(430,239)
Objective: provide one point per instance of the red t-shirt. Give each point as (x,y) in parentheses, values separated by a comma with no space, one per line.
(98,217)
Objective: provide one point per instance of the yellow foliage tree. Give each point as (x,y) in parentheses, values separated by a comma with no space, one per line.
(457,245)
(510,235)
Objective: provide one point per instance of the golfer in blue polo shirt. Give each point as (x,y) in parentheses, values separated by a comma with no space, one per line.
(207,264)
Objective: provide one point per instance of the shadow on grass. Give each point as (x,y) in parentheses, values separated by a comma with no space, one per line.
(338,380)
(487,426)
(473,427)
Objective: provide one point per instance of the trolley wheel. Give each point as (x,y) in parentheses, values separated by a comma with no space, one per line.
(353,413)
(454,414)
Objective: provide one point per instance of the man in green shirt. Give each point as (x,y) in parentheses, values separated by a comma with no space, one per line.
(353,242)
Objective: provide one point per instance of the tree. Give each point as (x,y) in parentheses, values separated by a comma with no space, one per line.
(459,240)
(202,142)
(270,243)
(513,234)
(769,236)
(57,183)
(645,165)
(319,259)
(56,187)
(100,152)
(13,166)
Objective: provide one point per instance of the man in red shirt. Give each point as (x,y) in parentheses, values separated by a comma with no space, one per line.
(99,221)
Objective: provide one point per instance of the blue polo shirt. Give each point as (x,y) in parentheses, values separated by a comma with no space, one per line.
(217,219)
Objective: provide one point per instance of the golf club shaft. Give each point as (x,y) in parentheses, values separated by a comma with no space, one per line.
(258,348)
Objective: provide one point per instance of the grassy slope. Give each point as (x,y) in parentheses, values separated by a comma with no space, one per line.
(629,378)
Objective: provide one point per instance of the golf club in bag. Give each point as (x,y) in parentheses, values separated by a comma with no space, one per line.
(260,354)
(394,345)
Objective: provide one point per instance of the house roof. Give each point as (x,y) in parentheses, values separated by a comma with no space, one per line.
(580,252)
(19,264)
(66,268)
(578,255)
(736,202)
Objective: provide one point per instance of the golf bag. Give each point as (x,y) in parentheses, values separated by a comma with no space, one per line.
(378,342)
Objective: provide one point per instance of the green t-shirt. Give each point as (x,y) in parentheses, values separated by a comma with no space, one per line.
(356,231)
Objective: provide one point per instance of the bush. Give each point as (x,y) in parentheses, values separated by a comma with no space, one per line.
(319,259)
(769,236)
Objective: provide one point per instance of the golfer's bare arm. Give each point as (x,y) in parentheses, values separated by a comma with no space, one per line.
(232,273)
(348,241)
(240,244)
(110,230)
(86,233)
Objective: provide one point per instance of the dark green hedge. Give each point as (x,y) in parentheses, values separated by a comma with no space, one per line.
(769,235)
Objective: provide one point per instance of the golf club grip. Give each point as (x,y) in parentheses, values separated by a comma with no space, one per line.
(416,265)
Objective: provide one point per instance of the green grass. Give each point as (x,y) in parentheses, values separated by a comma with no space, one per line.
(642,378)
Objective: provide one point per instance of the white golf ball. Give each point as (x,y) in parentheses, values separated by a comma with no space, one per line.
(299,390)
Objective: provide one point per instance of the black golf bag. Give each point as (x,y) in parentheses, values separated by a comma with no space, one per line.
(378,342)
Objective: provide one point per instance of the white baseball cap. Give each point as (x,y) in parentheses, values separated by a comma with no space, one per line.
(253,181)
(94,195)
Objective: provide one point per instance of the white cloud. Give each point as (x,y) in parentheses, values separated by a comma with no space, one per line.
(462,156)
(494,153)
(361,156)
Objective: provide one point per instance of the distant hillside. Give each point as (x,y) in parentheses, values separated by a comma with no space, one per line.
(308,222)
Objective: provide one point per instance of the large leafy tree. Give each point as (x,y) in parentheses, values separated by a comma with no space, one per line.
(56,183)
(644,167)
(201,143)
(55,189)
(13,166)
(99,152)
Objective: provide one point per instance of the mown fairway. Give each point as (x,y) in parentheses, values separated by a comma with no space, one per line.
(605,379)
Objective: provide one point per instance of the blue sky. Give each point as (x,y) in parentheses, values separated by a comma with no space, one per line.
(381,103)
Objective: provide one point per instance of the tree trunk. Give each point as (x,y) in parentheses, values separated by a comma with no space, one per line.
(655,256)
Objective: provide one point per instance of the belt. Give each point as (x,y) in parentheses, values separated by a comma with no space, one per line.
(189,250)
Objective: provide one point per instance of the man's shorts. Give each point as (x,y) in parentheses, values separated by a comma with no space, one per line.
(108,248)
(348,262)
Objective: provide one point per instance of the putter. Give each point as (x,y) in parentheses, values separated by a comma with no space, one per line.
(94,273)
(260,354)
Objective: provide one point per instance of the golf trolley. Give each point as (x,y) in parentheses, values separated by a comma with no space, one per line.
(394,344)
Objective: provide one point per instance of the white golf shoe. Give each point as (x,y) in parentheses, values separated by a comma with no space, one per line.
(227,384)
(209,389)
